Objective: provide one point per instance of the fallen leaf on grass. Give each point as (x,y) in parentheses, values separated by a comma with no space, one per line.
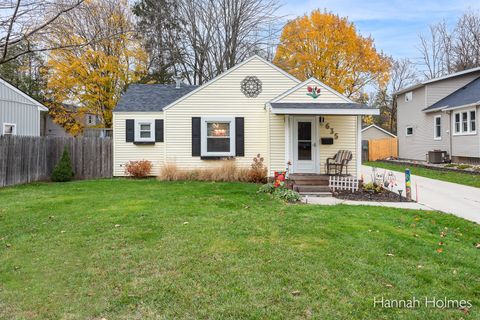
(465,310)
(390,255)
(117,226)
(186,222)
(389,285)
(419,266)
(441,243)
(295,293)
(439,250)
(477,245)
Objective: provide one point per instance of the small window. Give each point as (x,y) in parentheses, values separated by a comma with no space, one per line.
(218,138)
(408,96)
(409,131)
(437,127)
(457,122)
(144,130)
(90,120)
(473,121)
(464,122)
(9,128)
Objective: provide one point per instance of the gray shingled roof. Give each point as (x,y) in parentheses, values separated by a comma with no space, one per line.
(150,97)
(314,105)
(468,94)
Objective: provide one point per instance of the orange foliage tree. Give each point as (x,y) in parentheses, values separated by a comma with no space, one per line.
(328,47)
(92,76)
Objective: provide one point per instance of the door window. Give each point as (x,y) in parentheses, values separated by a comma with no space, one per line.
(304,140)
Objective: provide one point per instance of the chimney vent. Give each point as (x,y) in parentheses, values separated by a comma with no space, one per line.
(178,82)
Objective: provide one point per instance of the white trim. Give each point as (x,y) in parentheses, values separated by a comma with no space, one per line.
(298,86)
(406,131)
(220,76)
(469,131)
(359,146)
(435,137)
(138,123)
(203,136)
(14,131)
(379,128)
(418,85)
(40,106)
(355,112)
(287,141)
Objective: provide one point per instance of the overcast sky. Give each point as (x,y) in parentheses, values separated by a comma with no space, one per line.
(394,25)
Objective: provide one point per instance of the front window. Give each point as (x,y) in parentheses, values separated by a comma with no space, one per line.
(218,137)
(457,122)
(465,122)
(144,131)
(473,121)
(438,127)
(9,128)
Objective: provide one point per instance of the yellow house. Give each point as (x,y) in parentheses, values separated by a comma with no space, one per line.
(253,108)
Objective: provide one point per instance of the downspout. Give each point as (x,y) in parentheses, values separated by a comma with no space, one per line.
(450,134)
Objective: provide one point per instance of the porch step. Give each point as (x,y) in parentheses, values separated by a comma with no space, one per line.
(310,188)
(310,179)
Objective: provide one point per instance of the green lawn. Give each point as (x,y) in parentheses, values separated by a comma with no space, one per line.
(127,249)
(449,176)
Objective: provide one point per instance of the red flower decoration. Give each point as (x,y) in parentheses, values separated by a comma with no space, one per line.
(309,89)
(318,90)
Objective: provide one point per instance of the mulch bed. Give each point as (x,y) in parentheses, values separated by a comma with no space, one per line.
(362,195)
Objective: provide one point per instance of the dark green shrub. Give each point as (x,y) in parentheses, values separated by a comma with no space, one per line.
(287,195)
(463,166)
(63,171)
(266,188)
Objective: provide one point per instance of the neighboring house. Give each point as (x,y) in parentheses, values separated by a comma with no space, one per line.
(20,114)
(374,132)
(440,114)
(253,108)
(90,123)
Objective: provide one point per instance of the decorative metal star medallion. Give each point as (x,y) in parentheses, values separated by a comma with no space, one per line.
(251,86)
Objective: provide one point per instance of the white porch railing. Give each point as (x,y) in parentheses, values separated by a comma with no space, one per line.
(343,183)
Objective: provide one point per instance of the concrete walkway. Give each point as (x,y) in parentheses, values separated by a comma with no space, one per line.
(462,201)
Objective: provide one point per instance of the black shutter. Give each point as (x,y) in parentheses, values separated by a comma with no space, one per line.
(129,130)
(159,130)
(196,137)
(239,137)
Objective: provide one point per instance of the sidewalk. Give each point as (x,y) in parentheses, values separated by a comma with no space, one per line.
(334,201)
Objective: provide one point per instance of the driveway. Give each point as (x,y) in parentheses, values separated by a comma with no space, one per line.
(462,201)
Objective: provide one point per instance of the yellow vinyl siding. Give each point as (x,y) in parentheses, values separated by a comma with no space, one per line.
(127,151)
(300,95)
(224,98)
(346,127)
(277,143)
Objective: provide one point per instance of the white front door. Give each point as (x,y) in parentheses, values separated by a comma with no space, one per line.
(305,145)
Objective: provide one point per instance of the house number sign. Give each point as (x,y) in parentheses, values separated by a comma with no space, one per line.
(332,131)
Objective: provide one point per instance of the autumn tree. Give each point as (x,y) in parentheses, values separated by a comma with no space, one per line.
(93,76)
(329,48)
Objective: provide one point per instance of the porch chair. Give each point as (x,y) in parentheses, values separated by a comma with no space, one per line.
(335,164)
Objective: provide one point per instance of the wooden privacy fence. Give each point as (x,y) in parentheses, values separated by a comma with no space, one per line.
(382,149)
(29,159)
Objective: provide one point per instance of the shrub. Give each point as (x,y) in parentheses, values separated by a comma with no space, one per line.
(287,194)
(169,172)
(258,171)
(372,187)
(138,169)
(267,188)
(463,166)
(63,170)
(280,192)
